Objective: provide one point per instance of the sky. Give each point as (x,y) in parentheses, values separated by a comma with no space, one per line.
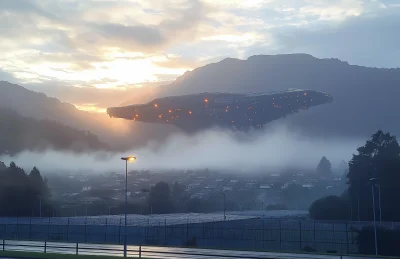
(93,53)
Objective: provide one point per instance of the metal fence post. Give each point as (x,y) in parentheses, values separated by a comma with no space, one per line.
(300,234)
(187,229)
(48,230)
(18,228)
(85,230)
(119,231)
(280,236)
(263,234)
(45,246)
(105,232)
(314,240)
(77,248)
(147,230)
(68,230)
(4,244)
(347,238)
(140,251)
(165,231)
(30,229)
(333,236)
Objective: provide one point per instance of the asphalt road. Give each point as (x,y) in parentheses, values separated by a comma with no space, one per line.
(157,252)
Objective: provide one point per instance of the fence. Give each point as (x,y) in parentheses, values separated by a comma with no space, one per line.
(132,251)
(243,234)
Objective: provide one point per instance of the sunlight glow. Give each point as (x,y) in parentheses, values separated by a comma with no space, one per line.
(90,108)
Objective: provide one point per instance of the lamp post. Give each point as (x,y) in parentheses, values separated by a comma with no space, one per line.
(358,207)
(224,205)
(380,206)
(263,206)
(126,159)
(40,205)
(373,180)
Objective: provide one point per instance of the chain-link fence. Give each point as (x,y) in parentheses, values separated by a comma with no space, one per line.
(233,233)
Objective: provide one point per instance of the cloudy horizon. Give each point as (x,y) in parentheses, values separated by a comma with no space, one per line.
(89,53)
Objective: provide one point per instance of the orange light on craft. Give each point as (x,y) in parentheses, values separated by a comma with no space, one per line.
(190,112)
(206,100)
(169,111)
(226,110)
(160,116)
(305,94)
(156,105)
(137,115)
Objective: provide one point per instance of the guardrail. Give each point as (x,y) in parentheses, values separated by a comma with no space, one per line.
(135,251)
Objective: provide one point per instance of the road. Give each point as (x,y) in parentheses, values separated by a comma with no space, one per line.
(156,252)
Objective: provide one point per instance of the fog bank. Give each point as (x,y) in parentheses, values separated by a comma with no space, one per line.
(272,150)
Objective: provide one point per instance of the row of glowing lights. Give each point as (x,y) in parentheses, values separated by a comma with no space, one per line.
(206,101)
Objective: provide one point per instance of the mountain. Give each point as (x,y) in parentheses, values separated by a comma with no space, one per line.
(18,133)
(118,134)
(365,99)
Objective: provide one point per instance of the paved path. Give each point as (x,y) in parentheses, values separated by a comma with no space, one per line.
(157,252)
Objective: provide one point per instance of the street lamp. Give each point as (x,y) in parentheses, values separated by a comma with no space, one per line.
(379,196)
(126,159)
(263,206)
(224,205)
(40,205)
(373,181)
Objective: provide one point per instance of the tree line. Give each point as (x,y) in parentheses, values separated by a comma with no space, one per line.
(373,175)
(21,194)
(372,193)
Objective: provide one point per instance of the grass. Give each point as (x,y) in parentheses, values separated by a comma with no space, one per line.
(35,255)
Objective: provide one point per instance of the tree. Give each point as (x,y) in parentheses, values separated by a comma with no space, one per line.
(2,166)
(330,208)
(20,196)
(378,158)
(177,191)
(159,200)
(324,167)
(39,183)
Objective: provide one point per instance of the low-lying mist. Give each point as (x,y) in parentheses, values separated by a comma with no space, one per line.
(274,149)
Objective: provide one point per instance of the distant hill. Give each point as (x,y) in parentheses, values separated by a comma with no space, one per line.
(118,134)
(18,133)
(365,99)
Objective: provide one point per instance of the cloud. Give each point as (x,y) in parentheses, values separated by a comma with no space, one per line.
(369,40)
(81,42)
(137,35)
(270,151)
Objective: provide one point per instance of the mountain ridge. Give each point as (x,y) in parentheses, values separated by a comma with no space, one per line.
(118,134)
(365,99)
(362,95)
(19,133)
